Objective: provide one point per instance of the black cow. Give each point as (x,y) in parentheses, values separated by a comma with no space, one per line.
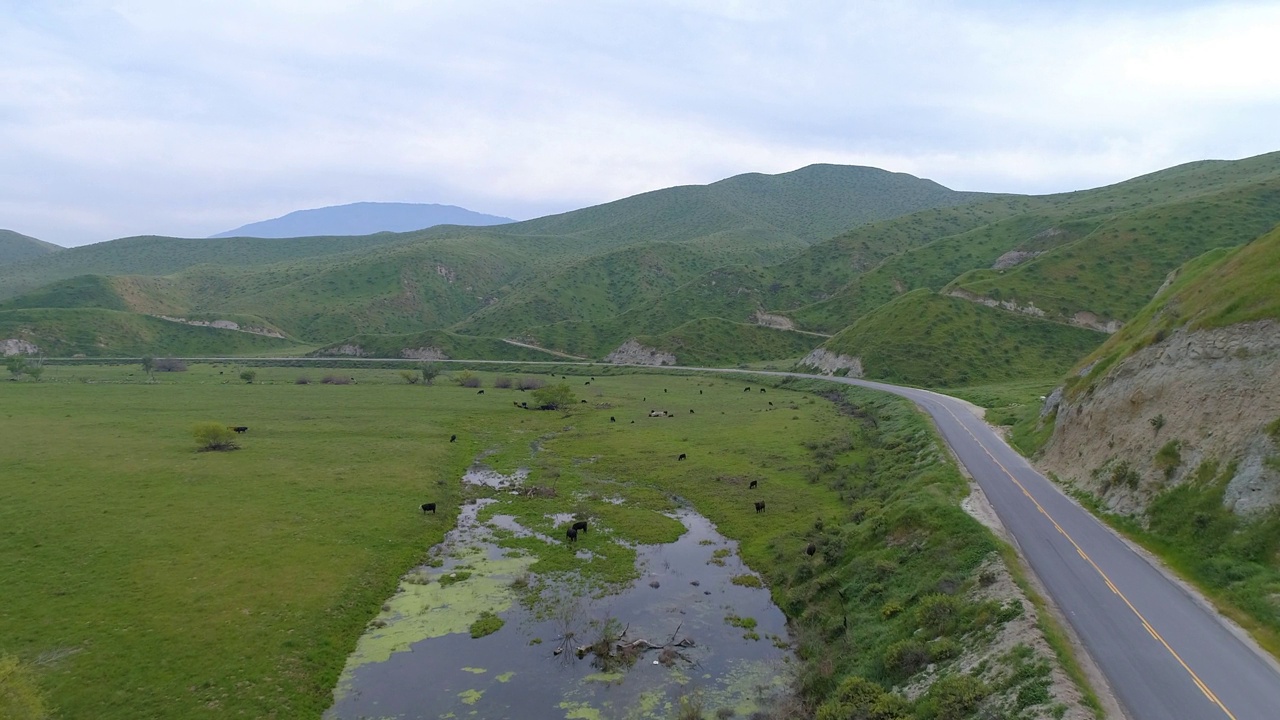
(238,428)
(664,389)
(761,389)
(691,411)
(524,405)
(429,508)
(759,506)
(584,401)
(593,378)
(746,389)
(453,438)
(613,419)
(811,550)
(682,456)
(753,484)
(587,382)
(572,534)
(770,403)
(699,392)
(580,525)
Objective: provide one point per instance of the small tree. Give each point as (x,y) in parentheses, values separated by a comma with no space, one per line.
(429,373)
(248,376)
(554,397)
(1157,422)
(149,367)
(17,366)
(213,436)
(467,379)
(410,376)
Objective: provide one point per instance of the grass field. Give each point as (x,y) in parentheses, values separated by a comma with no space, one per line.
(144,579)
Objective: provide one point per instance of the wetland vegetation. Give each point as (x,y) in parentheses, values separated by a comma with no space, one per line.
(150,580)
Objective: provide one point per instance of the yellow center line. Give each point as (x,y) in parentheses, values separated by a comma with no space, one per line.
(1196,678)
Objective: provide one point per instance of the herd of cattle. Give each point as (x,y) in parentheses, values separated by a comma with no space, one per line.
(581,525)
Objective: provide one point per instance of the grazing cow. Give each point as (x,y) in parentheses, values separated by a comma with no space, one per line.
(580,525)
(770,403)
(759,506)
(593,378)
(453,438)
(699,392)
(691,411)
(746,389)
(761,389)
(572,534)
(811,550)
(664,389)
(429,508)
(584,401)
(633,422)
(682,456)
(479,392)
(524,405)
(238,428)
(753,484)
(587,382)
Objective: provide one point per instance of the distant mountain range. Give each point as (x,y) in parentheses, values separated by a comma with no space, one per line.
(363,218)
(15,247)
(895,276)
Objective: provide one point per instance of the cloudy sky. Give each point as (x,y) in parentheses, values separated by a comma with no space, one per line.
(188,118)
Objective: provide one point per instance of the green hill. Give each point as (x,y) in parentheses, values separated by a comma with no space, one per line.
(111,333)
(922,338)
(715,342)
(451,345)
(16,247)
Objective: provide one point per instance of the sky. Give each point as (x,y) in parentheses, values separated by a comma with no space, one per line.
(130,117)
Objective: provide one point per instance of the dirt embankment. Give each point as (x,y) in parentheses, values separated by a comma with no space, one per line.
(1208,395)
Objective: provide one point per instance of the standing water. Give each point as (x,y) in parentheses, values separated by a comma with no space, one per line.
(681,635)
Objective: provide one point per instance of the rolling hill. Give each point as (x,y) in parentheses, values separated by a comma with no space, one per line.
(365,218)
(15,247)
(753,267)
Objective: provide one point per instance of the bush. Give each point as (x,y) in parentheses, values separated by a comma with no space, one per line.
(554,397)
(905,658)
(937,614)
(488,624)
(248,376)
(467,379)
(302,380)
(1169,458)
(429,373)
(955,697)
(20,696)
(502,382)
(529,383)
(335,380)
(410,376)
(213,436)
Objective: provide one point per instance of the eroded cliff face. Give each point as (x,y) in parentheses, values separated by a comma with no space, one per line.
(1154,418)
(632,352)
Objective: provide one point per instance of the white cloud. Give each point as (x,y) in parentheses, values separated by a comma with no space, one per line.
(190,118)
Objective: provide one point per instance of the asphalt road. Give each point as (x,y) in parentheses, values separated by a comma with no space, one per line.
(1165,656)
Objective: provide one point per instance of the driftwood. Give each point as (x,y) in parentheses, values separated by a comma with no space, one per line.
(610,649)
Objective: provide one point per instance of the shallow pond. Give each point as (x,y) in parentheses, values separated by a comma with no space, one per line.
(419,660)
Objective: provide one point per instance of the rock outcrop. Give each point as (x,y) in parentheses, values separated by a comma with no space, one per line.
(829,363)
(423,353)
(632,352)
(781,322)
(224,325)
(1214,393)
(18,346)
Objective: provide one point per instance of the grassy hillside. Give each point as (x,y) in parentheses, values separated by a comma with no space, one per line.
(715,342)
(927,339)
(1222,287)
(16,247)
(451,344)
(61,332)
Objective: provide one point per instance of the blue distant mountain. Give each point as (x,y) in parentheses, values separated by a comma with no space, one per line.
(364,218)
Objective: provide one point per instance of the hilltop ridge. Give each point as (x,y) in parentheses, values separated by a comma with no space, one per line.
(362,218)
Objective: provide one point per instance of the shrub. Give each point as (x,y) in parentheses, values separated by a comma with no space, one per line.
(410,376)
(213,436)
(1169,458)
(302,380)
(248,376)
(529,383)
(937,613)
(554,397)
(467,379)
(429,373)
(502,382)
(335,380)
(20,696)
(956,696)
(905,657)
(1157,422)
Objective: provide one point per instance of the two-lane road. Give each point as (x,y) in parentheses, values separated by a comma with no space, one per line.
(1165,656)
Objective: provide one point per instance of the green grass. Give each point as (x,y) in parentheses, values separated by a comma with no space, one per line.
(713,342)
(927,339)
(61,332)
(178,583)
(16,247)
